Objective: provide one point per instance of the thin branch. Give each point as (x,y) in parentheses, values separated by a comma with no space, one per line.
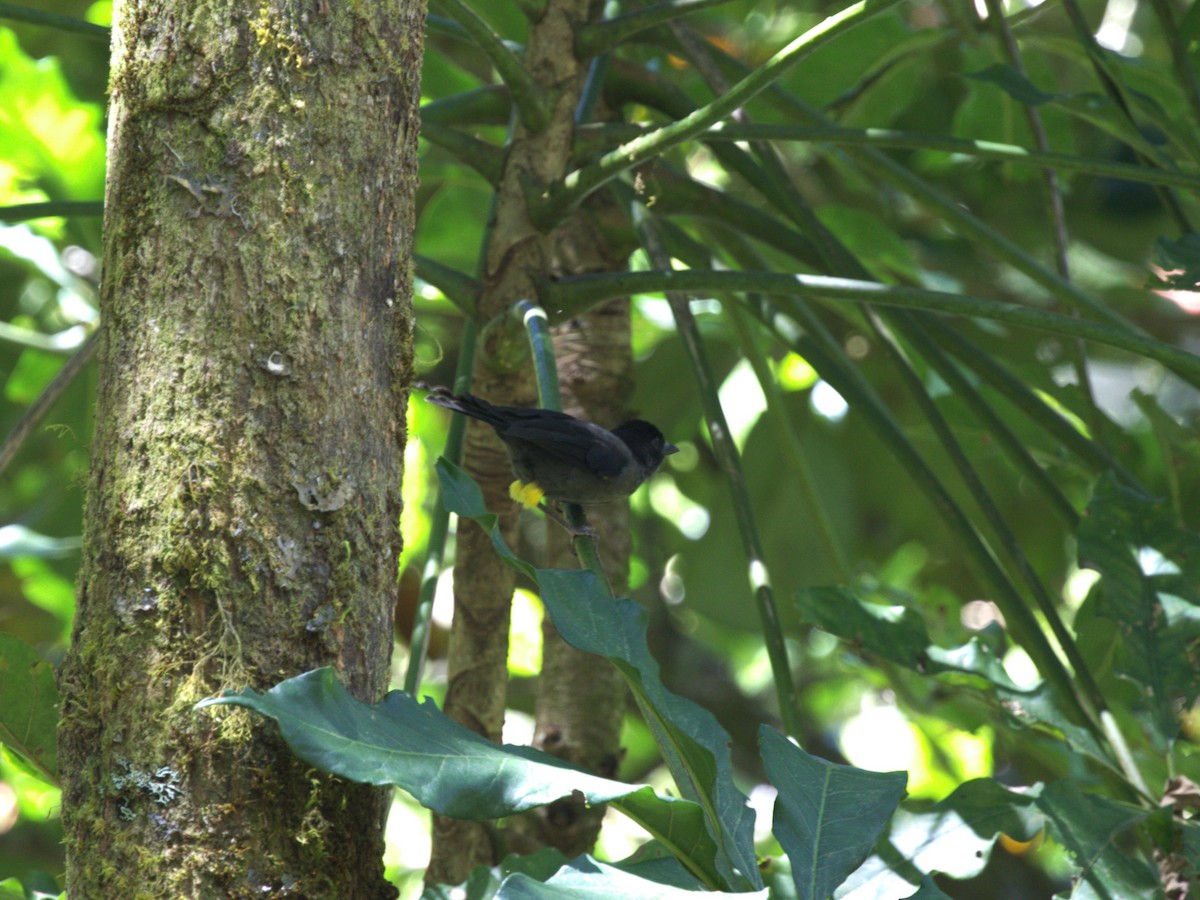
(484,158)
(568,296)
(580,183)
(527,95)
(46,399)
(735,478)
(460,289)
(909,140)
(608,33)
(53,20)
(23,212)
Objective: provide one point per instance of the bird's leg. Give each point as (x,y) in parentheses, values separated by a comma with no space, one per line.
(573,530)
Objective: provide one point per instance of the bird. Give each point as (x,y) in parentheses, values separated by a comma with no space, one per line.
(562,457)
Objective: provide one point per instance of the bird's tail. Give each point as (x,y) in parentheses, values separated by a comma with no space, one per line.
(467,404)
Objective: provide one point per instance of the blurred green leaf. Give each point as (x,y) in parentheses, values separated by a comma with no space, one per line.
(45,131)
(1150,569)
(1180,261)
(28,709)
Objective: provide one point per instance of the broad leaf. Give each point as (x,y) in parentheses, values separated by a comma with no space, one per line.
(827,816)
(447,767)
(693,744)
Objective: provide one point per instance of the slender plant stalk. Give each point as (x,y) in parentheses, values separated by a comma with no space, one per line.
(46,399)
(1012,154)
(53,20)
(735,478)
(582,182)
(575,293)
(460,289)
(527,95)
(613,30)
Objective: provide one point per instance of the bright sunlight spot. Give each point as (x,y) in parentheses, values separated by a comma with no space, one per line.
(672,504)
(743,401)
(794,373)
(1077,585)
(525,638)
(827,402)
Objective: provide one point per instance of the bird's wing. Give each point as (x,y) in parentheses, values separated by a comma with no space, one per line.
(570,440)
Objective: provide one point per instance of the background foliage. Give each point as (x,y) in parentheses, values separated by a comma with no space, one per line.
(909,591)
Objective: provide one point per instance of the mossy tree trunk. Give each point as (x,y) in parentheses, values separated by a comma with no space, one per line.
(242,519)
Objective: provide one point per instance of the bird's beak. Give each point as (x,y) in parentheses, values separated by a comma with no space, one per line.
(669,448)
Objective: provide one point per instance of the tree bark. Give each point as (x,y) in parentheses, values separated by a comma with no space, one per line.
(241,525)
(516,260)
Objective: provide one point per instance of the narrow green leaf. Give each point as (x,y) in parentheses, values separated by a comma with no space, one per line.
(827,816)
(28,708)
(1013,83)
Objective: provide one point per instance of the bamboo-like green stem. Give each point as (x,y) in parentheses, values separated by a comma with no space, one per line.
(55,21)
(1058,215)
(484,158)
(580,183)
(813,342)
(23,212)
(1087,691)
(527,95)
(608,33)
(573,294)
(541,345)
(909,140)
(460,289)
(488,105)
(731,465)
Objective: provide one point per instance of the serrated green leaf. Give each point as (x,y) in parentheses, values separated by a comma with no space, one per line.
(827,816)
(28,708)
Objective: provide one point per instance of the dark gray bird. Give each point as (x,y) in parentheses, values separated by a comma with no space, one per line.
(568,459)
